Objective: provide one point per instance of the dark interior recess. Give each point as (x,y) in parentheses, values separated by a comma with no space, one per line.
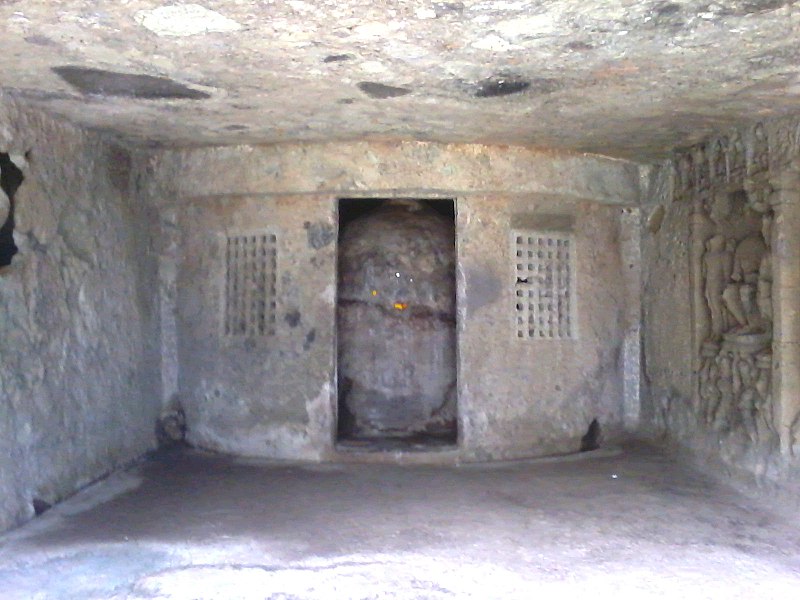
(10,179)
(353,208)
(348,437)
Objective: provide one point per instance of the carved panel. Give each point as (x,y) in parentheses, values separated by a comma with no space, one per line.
(733,320)
(731,273)
(250,282)
(544,289)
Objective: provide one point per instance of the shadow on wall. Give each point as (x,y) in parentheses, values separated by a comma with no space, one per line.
(10,179)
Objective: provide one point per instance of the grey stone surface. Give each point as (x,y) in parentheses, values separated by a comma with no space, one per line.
(77,317)
(258,395)
(533,397)
(117,306)
(275,395)
(631,256)
(618,77)
(386,169)
(630,523)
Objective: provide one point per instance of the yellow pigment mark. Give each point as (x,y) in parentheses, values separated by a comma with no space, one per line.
(374,292)
(400,305)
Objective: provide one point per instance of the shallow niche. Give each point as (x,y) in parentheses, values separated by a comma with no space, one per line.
(396,324)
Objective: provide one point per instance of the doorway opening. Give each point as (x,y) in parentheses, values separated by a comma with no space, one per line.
(396,324)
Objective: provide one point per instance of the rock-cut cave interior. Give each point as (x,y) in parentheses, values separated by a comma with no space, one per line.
(414,299)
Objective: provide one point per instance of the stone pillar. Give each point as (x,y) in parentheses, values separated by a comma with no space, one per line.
(785,201)
(631,251)
(167,292)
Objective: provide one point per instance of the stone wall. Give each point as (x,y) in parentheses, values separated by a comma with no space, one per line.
(77,316)
(274,394)
(266,392)
(527,397)
(721,270)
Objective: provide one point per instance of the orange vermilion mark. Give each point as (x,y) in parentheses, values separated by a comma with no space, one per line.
(400,305)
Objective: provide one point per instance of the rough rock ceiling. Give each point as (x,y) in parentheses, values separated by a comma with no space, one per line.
(622,78)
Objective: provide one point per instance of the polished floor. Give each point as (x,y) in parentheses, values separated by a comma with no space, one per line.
(627,523)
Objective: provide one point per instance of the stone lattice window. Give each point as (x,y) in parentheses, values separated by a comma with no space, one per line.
(250,281)
(543,292)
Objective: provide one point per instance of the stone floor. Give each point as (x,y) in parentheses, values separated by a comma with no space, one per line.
(606,524)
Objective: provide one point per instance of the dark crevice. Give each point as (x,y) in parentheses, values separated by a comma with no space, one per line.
(10,179)
(591,440)
(354,208)
(40,506)
(171,427)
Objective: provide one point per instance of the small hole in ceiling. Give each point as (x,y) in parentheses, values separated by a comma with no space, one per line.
(501,85)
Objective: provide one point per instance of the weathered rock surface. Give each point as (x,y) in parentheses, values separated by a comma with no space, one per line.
(78,395)
(274,395)
(617,77)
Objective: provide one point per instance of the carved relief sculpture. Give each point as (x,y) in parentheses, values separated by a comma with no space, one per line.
(735,160)
(731,232)
(741,214)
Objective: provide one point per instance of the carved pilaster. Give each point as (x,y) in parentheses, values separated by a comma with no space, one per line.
(785,200)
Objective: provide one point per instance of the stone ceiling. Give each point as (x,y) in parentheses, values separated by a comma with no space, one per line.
(631,79)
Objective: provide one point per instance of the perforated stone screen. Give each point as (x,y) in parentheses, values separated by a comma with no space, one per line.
(544,288)
(250,281)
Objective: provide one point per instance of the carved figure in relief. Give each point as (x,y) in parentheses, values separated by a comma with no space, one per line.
(748,395)
(708,378)
(735,361)
(735,158)
(740,295)
(782,144)
(733,216)
(717,269)
(702,175)
(763,386)
(759,155)
(717,161)
(685,173)
(725,388)
(764,285)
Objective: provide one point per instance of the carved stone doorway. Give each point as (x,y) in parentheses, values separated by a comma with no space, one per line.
(396,316)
